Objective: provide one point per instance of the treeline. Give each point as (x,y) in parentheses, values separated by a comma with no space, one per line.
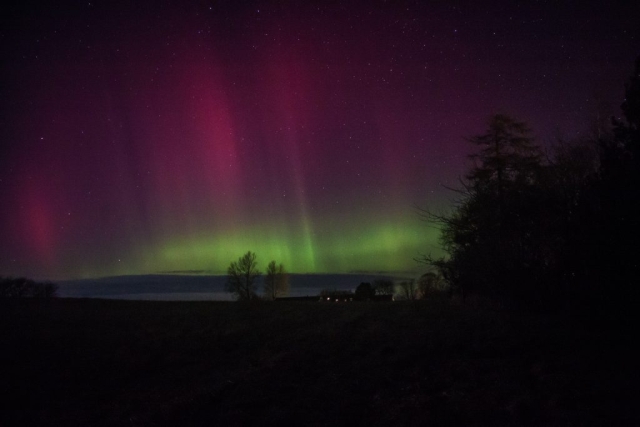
(548,228)
(26,288)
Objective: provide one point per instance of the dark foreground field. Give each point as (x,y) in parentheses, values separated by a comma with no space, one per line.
(98,362)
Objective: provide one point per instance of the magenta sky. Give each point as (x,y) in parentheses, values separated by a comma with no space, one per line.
(140,137)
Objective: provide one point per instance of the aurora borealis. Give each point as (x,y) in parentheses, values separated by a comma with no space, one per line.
(145,137)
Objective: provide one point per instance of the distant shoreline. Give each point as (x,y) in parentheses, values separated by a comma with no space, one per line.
(177,287)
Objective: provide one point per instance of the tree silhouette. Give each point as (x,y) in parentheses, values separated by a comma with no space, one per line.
(241,277)
(507,155)
(408,290)
(364,292)
(606,224)
(554,231)
(430,284)
(488,236)
(276,281)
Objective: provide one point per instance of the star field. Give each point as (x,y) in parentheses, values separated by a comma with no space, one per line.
(140,137)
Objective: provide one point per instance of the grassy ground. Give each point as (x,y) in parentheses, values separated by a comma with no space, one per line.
(101,362)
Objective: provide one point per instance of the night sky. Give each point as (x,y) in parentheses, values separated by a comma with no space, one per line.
(141,137)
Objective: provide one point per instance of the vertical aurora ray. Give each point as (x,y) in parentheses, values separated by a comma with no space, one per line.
(289,88)
(39,225)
